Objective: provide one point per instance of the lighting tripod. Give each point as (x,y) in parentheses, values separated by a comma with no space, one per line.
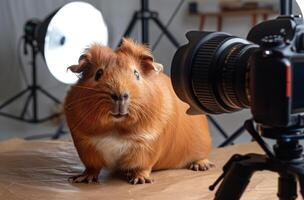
(144,15)
(33,88)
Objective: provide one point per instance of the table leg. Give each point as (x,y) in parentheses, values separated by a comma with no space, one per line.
(265,17)
(219,23)
(202,22)
(253,19)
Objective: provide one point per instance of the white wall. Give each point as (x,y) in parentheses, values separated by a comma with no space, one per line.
(117,13)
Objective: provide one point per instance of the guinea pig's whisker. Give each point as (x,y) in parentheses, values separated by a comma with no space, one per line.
(85,115)
(100,112)
(89,88)
(84,87)
(83,99)
(142,113)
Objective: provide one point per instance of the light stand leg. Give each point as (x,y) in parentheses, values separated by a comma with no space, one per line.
(145,21)
(166,32)
(232,137)
(49,95)
(26,104)
(34,84)
(145,15)
(60,131)
(217,126)
(130,27)
(11,100)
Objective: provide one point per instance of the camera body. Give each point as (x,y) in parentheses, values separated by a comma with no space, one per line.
(218,73)
(277,72)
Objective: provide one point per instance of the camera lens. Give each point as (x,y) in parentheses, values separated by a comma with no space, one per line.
(211,72)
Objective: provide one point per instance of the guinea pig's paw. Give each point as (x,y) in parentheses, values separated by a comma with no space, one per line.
(84,178)
(201,165)
(140,178)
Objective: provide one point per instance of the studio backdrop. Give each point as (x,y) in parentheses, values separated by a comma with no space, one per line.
(117,14)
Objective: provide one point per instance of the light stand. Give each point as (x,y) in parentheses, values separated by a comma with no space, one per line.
(60,41)
(33,88)
(145,14)
(286,7)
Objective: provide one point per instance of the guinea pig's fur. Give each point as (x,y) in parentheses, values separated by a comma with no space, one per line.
(124,116)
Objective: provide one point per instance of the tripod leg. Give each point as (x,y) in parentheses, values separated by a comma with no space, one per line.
(255,135)
(231,138)
(219,128)
(130,27)
(287,187)
(49,95)
(301,181)
(234,182)
(166,31)
(60,131)
(145,29)
(13,98)
(26,104)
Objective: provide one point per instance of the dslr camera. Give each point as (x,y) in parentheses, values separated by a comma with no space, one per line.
(218,73)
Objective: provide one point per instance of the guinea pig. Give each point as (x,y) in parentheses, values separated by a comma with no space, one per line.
(124,116)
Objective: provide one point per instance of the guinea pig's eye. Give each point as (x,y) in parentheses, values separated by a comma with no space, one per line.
(98,74)
(136,73)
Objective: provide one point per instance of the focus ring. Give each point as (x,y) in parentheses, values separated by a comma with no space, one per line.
(229,76)
(202,76)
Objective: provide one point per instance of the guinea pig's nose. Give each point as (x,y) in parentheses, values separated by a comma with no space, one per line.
(121,97)
(125,96)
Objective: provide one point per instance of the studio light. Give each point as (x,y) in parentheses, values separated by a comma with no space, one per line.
(301,5)
(65,33)
(60,38)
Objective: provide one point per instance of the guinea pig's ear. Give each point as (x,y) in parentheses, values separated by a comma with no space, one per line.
(147,63)
(83,64)
(141,53)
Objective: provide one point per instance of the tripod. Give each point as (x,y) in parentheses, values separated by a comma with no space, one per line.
(287,161)
(33,90)
(145,14)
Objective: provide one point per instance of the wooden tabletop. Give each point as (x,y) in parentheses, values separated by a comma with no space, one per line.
(35,170)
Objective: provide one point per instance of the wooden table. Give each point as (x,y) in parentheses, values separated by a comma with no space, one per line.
(221,15)
(35,170)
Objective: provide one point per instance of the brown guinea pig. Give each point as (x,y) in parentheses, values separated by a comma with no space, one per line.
(124,116)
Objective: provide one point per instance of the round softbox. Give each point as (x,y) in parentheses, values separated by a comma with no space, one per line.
(64,35)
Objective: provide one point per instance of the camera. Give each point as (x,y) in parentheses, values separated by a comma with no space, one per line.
(219,73)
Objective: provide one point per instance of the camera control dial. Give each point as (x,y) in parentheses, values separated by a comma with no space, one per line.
(272,40)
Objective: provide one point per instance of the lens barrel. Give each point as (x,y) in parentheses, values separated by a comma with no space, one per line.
(210,73)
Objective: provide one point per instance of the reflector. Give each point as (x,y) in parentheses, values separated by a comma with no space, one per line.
(301,6)
(63,36)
